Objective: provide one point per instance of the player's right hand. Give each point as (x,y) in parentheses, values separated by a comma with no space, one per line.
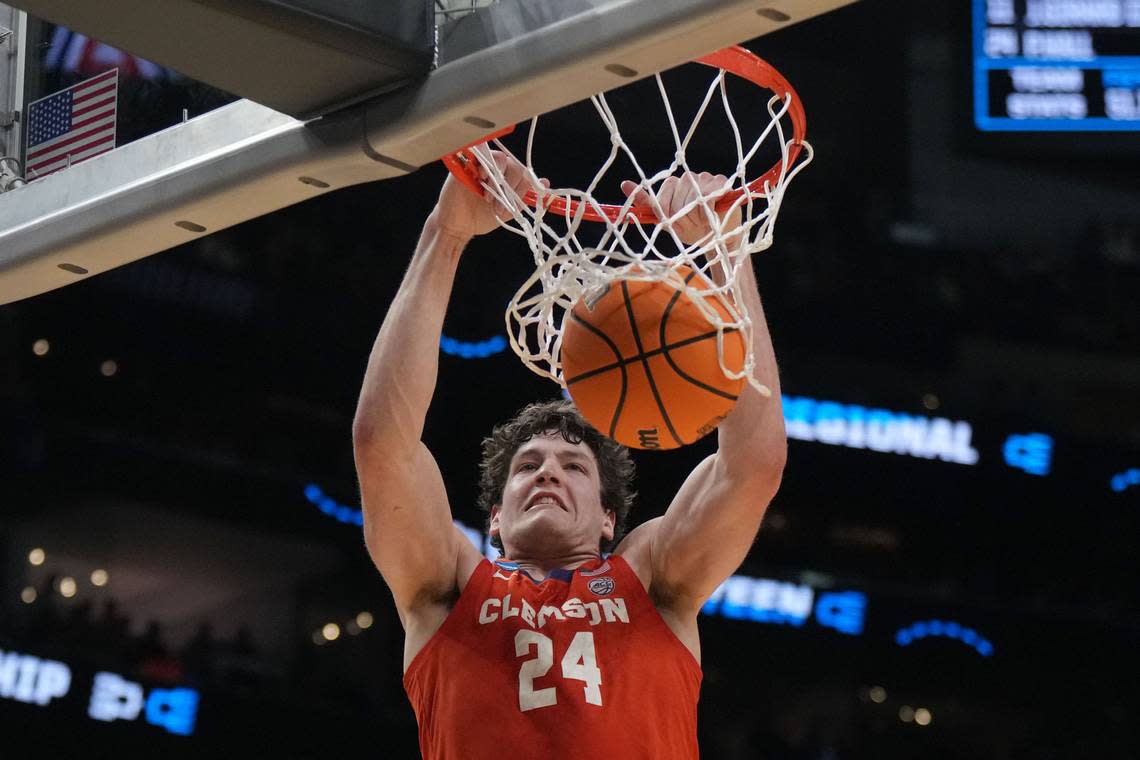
(676,193)
(462,213)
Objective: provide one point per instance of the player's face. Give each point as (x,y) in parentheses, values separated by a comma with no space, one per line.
(552,501)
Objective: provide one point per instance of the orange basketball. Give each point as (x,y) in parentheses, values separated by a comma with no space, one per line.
(640,362)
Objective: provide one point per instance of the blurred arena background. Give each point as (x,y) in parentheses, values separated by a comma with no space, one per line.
(949,570)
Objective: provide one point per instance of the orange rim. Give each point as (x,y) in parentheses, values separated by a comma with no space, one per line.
(735,60)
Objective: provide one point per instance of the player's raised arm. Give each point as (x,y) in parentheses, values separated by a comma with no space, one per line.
(709,527)
(407,520)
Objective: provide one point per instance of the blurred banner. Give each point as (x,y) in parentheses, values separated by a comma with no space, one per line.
(74,53)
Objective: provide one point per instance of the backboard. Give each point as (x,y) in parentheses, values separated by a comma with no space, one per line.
(336,94)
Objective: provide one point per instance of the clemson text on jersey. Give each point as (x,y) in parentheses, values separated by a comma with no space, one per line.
(607,610)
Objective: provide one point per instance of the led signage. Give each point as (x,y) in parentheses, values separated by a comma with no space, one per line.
(35,681)
(859,427)
(1049,65)
(763,600)
(1031,452)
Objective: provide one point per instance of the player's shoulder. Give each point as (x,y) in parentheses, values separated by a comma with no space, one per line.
(636,550)
(467,560)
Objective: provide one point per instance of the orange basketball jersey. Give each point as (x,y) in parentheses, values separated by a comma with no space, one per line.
(578,666)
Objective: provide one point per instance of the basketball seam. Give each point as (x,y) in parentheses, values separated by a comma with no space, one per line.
(617,353)
(649,354)
(673,364)
(645,364)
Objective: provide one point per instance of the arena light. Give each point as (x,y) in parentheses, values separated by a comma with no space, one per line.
(353,516)
(1125,480)
(99,577)
(472,350)
(28,595)
(328,506)
(949,629)
(41,347)
(877,694)
(36,556)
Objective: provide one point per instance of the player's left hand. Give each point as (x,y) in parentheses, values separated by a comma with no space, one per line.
(465,214)
(678,192)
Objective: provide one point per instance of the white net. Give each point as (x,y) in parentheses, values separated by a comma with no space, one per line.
(573,261)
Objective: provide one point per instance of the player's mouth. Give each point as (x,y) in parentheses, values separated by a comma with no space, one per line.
(544,498)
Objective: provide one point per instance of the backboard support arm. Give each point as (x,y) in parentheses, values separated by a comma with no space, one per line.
(245,160)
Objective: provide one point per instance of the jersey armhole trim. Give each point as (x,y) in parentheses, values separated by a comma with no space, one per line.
(478,575)
(657,613)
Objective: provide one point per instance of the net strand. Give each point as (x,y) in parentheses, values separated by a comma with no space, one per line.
(568,269)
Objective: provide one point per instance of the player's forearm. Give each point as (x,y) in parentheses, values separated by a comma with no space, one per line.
(752,439)
(404,364)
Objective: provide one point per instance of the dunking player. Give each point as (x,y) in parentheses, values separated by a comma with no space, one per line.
(556,651)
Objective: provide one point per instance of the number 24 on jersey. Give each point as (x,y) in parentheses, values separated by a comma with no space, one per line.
(579,663)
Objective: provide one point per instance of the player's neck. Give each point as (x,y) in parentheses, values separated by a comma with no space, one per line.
(540,567)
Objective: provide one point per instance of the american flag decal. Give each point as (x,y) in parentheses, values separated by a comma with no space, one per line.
(72,125)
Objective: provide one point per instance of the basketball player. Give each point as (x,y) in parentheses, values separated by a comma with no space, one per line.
(556,651)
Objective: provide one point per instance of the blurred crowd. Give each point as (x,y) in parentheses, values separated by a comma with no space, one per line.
(100,635)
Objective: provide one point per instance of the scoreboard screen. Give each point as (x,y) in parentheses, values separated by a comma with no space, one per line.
(1056,65)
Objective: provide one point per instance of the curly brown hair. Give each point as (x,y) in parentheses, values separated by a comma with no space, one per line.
(615,466)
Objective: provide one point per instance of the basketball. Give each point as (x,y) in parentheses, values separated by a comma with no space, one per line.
(640,363)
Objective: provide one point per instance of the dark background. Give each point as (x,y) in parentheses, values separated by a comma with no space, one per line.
(918,267)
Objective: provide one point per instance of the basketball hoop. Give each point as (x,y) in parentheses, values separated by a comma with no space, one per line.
(637,241)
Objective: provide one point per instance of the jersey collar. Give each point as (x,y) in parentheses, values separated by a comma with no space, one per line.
(558,573)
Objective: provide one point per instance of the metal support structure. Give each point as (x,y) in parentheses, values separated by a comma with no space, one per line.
(13,44)
(235,163)
(300,57)
(501,64)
